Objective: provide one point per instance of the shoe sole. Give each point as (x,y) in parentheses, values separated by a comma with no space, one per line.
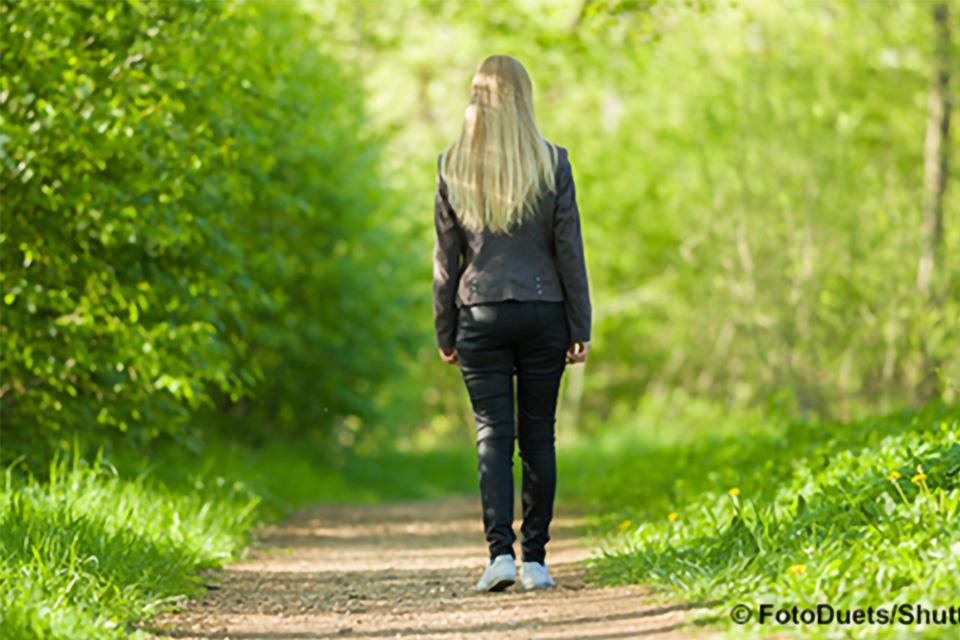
(500,585)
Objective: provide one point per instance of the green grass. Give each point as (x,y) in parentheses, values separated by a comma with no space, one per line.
(92,548)
(87,552)
(818,515)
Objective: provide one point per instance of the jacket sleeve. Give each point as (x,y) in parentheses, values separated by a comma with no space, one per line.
(446,267)
(571,263)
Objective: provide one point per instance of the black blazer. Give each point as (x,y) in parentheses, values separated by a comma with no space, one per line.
(542,259)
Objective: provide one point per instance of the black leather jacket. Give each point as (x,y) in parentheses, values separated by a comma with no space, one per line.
(542,259)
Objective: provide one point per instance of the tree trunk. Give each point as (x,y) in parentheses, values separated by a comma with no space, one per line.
(936,152)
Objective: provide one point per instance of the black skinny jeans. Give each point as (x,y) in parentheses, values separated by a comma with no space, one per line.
(496,341)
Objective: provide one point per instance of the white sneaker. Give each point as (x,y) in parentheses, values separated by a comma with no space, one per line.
(534,575)
(501,572)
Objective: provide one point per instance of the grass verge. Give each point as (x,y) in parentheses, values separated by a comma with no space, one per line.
(852,515)
(95,547)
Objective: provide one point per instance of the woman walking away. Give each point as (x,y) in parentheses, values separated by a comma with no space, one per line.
(510,298)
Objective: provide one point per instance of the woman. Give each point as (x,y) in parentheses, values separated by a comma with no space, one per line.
(510,298)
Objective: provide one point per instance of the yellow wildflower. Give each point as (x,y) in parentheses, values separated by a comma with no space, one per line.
(917,479)
(797,568)
(672,516)
(623,526)
(893,476)
(734,492)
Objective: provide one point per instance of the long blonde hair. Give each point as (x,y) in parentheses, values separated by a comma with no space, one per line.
(497,170)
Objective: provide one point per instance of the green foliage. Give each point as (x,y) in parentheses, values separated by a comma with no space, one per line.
(191,216)
(114,259)
(196,214)
(851,514)
(750,175)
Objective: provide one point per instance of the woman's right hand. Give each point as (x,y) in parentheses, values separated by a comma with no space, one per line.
(448,355)
(577,352)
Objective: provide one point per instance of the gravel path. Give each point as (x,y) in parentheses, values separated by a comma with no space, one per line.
(407,570)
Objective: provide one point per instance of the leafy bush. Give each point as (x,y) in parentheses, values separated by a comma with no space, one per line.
(190,199)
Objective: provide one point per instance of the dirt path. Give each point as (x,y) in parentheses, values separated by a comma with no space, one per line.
(407,570)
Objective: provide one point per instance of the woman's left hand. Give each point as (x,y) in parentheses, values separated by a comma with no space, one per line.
(448,355)
(577,352)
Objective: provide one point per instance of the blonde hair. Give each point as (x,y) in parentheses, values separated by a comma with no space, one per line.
(497,170)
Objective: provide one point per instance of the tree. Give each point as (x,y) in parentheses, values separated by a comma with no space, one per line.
(935,165)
